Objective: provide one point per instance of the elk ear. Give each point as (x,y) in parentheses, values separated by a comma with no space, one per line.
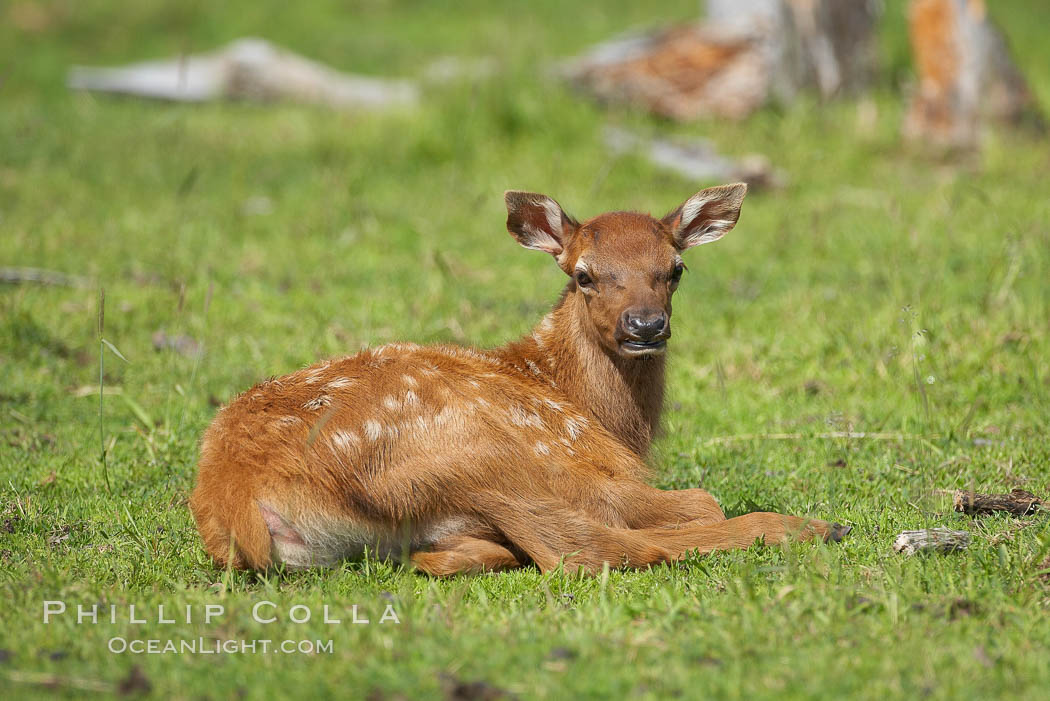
(538,222)
(706,216)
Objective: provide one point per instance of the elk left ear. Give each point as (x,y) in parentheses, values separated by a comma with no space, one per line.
(706,216)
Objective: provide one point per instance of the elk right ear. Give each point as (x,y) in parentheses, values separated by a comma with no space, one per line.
(538,222)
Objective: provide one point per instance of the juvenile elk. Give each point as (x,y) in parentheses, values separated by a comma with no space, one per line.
(472,460)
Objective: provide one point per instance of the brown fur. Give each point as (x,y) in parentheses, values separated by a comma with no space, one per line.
(466,461)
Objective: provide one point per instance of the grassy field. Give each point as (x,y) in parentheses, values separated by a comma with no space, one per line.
(883,290)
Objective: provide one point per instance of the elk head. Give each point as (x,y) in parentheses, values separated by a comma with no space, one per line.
(624,266)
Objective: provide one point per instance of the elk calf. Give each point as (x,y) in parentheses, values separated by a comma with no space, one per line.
(470,460)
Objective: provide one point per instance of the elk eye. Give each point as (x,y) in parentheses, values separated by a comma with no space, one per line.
(584,280)
(676,275)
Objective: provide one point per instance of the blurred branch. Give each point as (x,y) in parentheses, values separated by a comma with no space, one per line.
(39,276)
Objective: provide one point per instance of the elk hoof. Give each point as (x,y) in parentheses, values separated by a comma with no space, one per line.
(837,533)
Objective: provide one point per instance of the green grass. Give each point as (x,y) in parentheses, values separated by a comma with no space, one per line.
(882,290)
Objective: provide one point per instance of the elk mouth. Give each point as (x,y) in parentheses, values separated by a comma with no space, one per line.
(634,347)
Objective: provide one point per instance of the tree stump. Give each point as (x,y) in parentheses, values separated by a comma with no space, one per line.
(747,53)
(965,74)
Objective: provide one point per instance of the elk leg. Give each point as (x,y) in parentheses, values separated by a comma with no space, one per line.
(648,507)
(552,534)
(634,504)
(464,555)
(742,531)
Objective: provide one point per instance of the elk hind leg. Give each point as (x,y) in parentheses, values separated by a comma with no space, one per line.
(552,534)
(464,555)
(648,507)
(741,532)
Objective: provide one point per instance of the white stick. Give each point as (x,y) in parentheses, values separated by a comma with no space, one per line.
(931,540)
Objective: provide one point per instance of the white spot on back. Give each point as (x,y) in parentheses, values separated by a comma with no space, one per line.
(390,403)
(318,402)
(314,374)
(410,381)
(286,421)
(520,417)
(444,416)
(344,440)
(411,398)
(372,429)
(542,448)
(338,383)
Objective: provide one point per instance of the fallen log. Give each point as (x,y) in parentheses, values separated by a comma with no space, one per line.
(931,540)
(1018,503)
(246,69)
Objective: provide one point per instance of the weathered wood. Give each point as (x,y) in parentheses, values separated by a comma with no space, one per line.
(1018,502)
(696,159)
(246,69)
(931,540)
(747,53)
(965,74)
(824,44)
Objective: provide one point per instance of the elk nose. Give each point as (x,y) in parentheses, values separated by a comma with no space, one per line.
(644,324)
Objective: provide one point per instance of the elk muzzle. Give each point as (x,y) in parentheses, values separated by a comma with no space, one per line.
(643,331)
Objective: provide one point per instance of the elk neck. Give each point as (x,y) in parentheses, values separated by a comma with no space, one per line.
(625,395)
